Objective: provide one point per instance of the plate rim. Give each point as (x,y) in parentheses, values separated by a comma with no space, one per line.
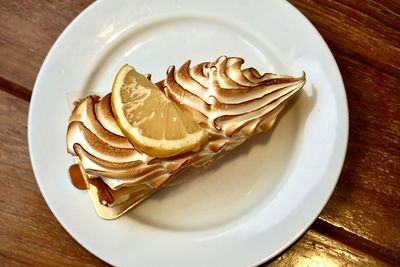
(267,257)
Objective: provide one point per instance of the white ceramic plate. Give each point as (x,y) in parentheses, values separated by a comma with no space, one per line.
(250,205)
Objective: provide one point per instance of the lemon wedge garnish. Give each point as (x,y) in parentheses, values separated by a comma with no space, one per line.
(150,120)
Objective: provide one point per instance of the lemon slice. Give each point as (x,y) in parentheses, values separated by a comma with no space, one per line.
(149,119)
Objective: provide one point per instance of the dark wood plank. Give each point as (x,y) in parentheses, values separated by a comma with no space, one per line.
(364,210)
(28,29)
(384,12)
(29,233)
(366,30)
(366,201)
(316,249)
(15,89)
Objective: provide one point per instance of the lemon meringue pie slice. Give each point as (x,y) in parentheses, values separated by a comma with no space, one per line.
(228,103)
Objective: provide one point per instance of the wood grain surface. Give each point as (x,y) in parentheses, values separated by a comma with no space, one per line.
(363,33)
(360,225)
(28,29)
(316,249)
(29,232)
(366,201)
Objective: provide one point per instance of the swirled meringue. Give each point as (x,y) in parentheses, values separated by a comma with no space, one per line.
(231,104)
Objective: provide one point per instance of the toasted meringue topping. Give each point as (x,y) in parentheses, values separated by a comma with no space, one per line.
(230,103)
(227,97)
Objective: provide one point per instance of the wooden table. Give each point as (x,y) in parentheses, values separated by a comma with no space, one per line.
(360,225)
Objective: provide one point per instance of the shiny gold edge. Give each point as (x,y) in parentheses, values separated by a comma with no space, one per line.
(113,212)
(110,213)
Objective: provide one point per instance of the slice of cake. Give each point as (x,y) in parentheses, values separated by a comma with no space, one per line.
(229,104)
